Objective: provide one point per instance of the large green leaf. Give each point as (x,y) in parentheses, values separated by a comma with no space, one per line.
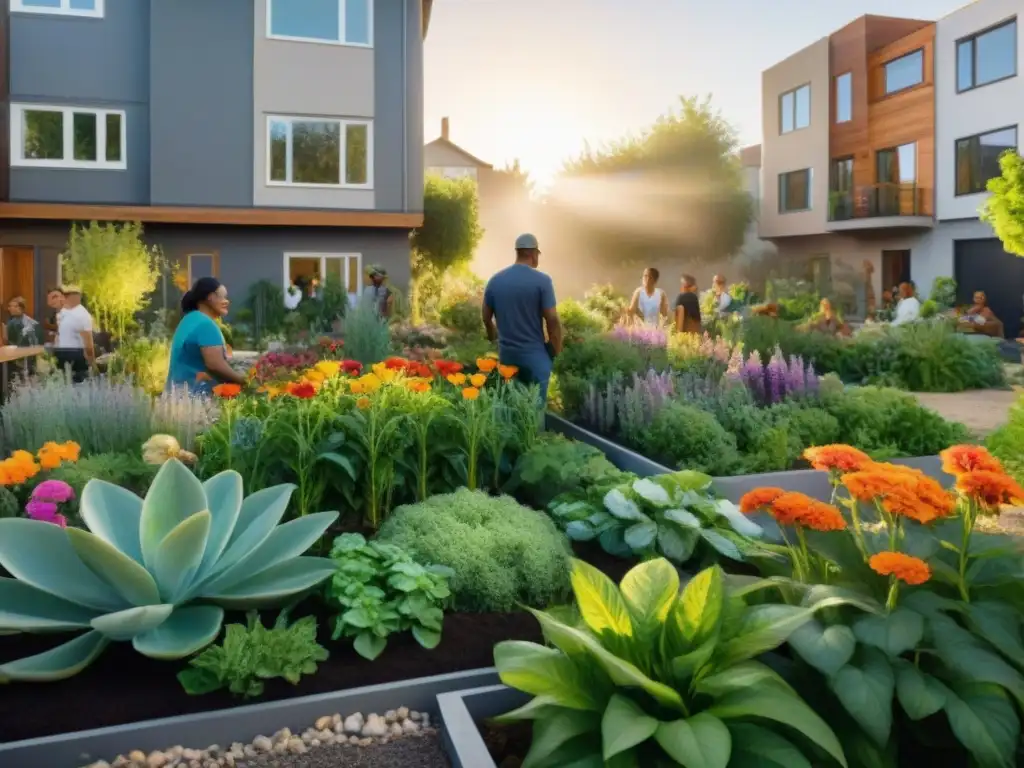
(124,625)
(763,628)
(537,708)
(866,689)
(721,544)
(698,613)
(650,590)
(615,501)
(114,514)
(545,672)
(41,554)
(552,734)
(772,703)
(284,543)
(620,671)
(599,601)
(688,665)
(920,694)
(58,663)
(826,648)
(677,544)
(258,517)
(187,631)
(175,495)
(702,741)
(970,658)
(758,747)
(1000,624)
(747,674)
(224,495)
(984,720)
(180,554)
(23,608)
(640,536)
(895,633)
(272,585)
(124,575)
(624,725)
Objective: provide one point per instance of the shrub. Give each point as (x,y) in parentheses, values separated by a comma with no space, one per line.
(463,317)
(595,361)
(686,437)
(1007,442)
(606,301)
(143,361)
(557,465)
(502,553)
(367,337)
(578,321)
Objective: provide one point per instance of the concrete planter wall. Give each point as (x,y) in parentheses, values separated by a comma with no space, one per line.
(810,482)
(459,712)
(225,726)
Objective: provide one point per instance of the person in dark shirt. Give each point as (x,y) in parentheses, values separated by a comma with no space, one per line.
(687,306)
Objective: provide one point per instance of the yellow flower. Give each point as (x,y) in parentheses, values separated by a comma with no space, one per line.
(478,380)
(363,403)
(470,393)
(356,387)
(270,391)
(486,364)
(328,367)
(417,385)
(458,379)
(313,375)
(370,382)
(493,355)
(384,374)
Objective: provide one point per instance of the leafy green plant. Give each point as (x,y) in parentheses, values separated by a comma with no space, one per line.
(144,361)
(250,654)
(557,466)
(668,515)
(578,321)
(1007,442)
(157,571)
(367,336)
(655,677)
(944,292)
(606,301)
(381,590)
(687,437)
(502,554)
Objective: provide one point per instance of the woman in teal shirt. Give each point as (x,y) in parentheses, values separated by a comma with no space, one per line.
(198,354)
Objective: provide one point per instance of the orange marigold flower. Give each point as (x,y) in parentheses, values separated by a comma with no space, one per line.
(838,458)
(417,385)
(759,498)
(908,569)
(869,484)
(23,458)
(363,403)
(458,379)
(961,459)
(470,393)
(507,371)
(791,507)
(49,460)
(478,380)
(396,363)
(227,391)
(71,451)
(990,488)
(486,364)
(820,516)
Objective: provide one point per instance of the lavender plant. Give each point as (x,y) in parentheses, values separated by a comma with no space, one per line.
(778,380)
(644,336)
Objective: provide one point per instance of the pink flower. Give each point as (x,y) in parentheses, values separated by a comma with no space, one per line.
(45,511)
(53,490)
(60,520)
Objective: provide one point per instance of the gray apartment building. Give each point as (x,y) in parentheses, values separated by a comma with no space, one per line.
(254,139)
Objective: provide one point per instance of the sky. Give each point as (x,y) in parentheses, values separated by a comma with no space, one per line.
(536,79)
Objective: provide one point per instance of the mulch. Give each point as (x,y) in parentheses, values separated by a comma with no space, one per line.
(406,752)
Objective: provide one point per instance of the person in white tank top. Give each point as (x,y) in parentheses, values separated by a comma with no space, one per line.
(649,303)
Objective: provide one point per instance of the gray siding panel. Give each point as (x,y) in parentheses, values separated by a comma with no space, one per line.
(201,81)
(67,60)
(390,57)
(414,108)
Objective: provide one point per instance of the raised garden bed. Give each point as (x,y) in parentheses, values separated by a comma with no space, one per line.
(811,482)
(463,729)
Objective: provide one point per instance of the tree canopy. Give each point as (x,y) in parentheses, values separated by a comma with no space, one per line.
(1004,210)
(451,226)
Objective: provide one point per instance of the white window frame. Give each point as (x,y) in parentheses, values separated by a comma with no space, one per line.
(342,121)
(19,160)
(341,28)
(324,257)
(65,9)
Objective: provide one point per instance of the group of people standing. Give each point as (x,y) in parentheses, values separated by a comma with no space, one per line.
(67,328)
(649,304)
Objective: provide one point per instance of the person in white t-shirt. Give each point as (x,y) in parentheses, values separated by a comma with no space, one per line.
(909,308)
(74,347)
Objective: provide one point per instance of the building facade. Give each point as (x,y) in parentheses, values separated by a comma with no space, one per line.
(254,139)
(878,142)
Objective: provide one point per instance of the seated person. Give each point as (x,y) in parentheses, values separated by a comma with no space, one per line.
(827,321)
(908,310)
(980,317)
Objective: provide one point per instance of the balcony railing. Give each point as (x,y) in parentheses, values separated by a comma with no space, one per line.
(878,200)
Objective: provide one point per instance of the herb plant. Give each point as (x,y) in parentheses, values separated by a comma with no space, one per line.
(250,654)
(557,465)
(381,590)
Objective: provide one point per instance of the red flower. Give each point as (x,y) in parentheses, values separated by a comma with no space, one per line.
(302,389)
(227,391)
(396,363)
(447,367)
(352,367)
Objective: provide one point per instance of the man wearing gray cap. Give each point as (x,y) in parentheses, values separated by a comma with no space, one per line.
(523,299)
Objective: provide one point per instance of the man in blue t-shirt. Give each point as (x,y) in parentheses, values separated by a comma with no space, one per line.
(523,299)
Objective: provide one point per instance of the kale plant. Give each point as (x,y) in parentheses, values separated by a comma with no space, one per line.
(557,465)
(251,654)
(380,589)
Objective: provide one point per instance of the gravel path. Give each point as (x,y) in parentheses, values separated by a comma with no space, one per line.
(408,752)
(981,410)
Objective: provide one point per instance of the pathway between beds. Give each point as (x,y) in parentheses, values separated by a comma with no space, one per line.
(982,410)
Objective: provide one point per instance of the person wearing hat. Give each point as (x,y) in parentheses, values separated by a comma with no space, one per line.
(74,346)
(521,299)
(378,292)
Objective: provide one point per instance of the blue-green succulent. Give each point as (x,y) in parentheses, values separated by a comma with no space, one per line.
(158,571)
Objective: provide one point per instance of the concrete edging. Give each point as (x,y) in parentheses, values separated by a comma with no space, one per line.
(224,726)
(459,711)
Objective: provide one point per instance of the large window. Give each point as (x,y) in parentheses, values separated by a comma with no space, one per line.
(323,152)
(308,271)
(341,22)
(977,159)
(795,191)
(842,174)
(987,57)
(67,137)
(897,165)
(795,109)
(844,98)
(59,7)
(904,72)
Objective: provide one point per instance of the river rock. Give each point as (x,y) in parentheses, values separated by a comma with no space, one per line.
(324,722)
(354,723)
(374,726)
(408,726)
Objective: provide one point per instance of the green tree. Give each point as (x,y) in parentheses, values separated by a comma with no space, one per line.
(677,188)
(115,269)
(1004,210)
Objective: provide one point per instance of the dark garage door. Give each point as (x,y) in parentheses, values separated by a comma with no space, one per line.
(983,265)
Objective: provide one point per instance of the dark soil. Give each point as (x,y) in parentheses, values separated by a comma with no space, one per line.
(407,752)
(507,744)
(124,686)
